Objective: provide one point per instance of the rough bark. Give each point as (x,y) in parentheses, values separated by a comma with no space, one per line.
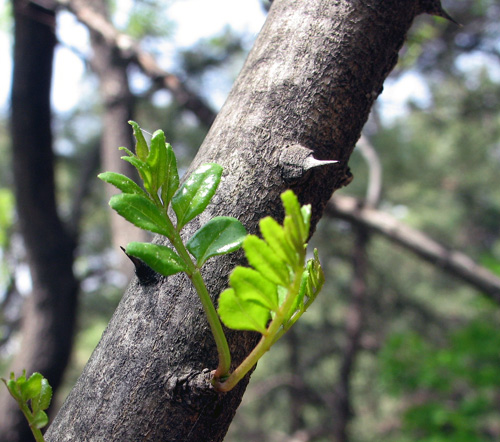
(309,81)
(49,313)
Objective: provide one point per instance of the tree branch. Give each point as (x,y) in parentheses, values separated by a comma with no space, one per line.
(129,49)
(454,262)
(309,81)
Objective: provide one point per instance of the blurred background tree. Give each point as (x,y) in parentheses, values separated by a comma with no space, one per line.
(398,348)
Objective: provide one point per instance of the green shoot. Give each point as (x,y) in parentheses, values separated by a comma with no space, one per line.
(268,298)
(273,295)
(33,395)
(148,209)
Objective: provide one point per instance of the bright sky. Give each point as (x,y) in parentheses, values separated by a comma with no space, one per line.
(209,18)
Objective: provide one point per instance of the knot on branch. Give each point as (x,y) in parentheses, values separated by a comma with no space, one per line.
(189,386)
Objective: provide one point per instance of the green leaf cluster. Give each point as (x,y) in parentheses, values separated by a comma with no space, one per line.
(279,286)
(269,297)
(33,396)
(147,207)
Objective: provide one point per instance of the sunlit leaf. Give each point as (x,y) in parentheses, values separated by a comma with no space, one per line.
(219,236)
(160,258)
(292,234)
(262,258)
(274,235)
(252,286)
(306,217)
(300,216)
(241,314)
(141,212)
(195,194)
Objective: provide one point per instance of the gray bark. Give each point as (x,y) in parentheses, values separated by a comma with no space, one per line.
(309,81)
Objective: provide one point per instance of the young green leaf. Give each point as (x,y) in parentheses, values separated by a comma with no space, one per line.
(239,314)
(157,160)
(42,402)
(171,182)
(141,147)
(193,196)
(293,210)
(143,169)
(299,298)
(306,217)
(264,260)
(141,212)
(32,387)
(315,280)
(221,235)
(251,286)
(40,419)
(160,258)
(121,182)
(292,234)
(274,235)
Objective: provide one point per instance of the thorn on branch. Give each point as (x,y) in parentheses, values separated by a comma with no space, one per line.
(434,7)
(296,161)
(144,273)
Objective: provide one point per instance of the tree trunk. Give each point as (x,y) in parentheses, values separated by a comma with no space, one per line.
(306,87)
(111,68)
(49,313)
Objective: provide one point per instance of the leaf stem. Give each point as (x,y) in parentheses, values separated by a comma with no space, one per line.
(208,306)
(29,417)
(267,340)
(215,324)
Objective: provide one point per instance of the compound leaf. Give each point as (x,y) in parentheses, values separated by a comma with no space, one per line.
(298,228)
(250,285)
(274,235)
(264,260)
